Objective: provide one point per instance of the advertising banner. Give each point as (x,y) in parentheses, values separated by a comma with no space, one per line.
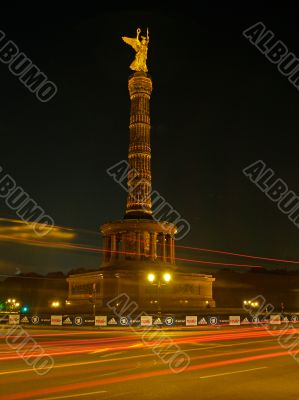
(146,320)
(14,319)
(56,320)
(234,320)
(100,320)
(191,320)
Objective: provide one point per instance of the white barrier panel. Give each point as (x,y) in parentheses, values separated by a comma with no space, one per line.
(234,320)
(146,320)
(275,319)
(56,320)
(191,320)
(100,320)
(14,319)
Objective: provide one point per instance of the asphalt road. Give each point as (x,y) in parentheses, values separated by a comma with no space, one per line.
(225,363)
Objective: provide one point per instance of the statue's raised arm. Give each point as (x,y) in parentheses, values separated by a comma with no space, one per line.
(140,46)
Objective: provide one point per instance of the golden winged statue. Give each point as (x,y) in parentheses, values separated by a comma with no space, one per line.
(140,46)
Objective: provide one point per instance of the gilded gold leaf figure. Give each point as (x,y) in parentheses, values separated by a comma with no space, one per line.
(140,46)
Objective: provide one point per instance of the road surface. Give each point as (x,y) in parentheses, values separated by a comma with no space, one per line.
(225,363)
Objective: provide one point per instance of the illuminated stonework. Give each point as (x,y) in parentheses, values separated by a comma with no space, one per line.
(139,186)
(138,245)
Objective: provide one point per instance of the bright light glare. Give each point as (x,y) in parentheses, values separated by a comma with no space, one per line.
(151,277)
(166,277)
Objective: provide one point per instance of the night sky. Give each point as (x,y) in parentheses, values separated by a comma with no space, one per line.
(217,106)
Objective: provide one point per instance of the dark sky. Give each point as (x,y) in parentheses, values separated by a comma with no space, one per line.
(217,106)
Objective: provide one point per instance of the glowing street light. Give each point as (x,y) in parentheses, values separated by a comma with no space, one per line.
(151,277)
(55,304)
(251,304)
(167,277)
(162,280)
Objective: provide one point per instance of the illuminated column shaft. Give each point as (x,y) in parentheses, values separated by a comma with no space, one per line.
(139,176)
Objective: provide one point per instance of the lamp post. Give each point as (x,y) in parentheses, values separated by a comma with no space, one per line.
(158,282)
(250,304)
(12,305)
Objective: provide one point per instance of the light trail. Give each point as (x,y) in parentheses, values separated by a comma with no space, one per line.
(234,254)
(74,386)
(98,250)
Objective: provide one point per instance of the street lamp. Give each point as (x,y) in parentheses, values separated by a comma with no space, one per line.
(166,278)
(12,304)
(251,304)
(151,277)
(55,304)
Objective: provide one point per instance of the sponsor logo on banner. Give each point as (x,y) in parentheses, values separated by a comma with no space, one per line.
(67,321)
(213,320)
(100,320)
(14,319)
(124,321)
(245,321)
(234,320)
(191,320)
(224,321)
(45,320)
(285,319)
(112,321)
(78,320)
(275,319)
(56,319)
(158,321)
(88,321)
(146,320)
(35,319)
(294,318)
(169,321)
(202,321)
(255,320)
(25,320)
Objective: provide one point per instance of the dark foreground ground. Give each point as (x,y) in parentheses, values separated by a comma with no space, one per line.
(225,363)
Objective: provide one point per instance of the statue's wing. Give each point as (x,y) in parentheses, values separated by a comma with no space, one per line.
(132,42)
